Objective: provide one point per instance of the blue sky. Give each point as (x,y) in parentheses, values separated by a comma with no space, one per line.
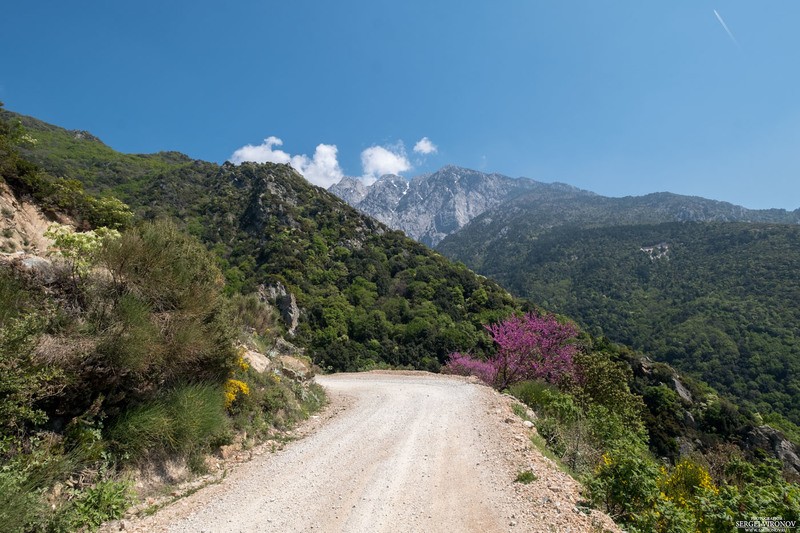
(619,97)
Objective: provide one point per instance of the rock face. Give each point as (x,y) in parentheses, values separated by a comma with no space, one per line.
(32,267)
(286,303)
(351,190)
(431,206)
(23,224)
(776,444)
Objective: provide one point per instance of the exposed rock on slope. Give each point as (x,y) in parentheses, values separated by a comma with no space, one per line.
(432,206)
(22,224)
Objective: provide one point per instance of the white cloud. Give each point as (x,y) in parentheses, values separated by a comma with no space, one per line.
(323,169)
(378,160)
(425,146)
(263,153)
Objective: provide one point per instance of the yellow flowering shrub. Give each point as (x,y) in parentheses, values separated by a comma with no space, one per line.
(234,388)
(687,481)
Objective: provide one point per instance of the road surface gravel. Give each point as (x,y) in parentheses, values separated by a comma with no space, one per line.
(394,452)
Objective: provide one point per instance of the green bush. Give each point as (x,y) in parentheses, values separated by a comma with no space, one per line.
(89,508)
(23,381)
(132,342)
(185,421)
(20,501)
(251,312)
(272,402)
(13,297)
(625,482)
(166,267)
(546,399)
(525,477)
(24,479)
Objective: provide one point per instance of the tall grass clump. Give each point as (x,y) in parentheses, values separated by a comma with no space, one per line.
(184,421)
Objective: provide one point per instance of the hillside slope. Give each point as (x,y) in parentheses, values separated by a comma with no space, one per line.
(367,295)
(509,228)
(717,300)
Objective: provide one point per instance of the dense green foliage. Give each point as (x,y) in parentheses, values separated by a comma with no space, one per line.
(369,295)
(596,429)
(80,155)
(87,353)
(511,227)
(720,302)
(131,360)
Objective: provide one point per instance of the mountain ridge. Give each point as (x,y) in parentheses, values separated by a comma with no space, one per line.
(440,204)
(429,207)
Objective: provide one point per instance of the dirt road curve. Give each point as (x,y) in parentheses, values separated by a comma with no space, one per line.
(404,452)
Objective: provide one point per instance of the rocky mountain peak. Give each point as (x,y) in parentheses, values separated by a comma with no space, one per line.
(431,206)
(351,190)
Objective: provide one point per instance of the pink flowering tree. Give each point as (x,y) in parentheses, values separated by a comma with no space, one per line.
(528,347)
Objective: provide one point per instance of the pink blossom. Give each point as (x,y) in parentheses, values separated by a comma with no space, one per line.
(528,347)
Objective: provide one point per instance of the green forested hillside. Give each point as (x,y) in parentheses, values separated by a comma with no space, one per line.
(508,230)
(718,300)
(368,294)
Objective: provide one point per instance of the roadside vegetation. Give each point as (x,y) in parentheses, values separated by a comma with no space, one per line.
(596,428)
(122,350)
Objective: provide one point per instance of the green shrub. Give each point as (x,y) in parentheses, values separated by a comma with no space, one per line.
(251,312)
(13,297)
(546,399)
(171,324)
(25,477)
(624,482)
(525,477)
(20,501)
(166,267)
(184,421)
(89,508)
(131,342)
(199,414)
(23,381)
(273,402)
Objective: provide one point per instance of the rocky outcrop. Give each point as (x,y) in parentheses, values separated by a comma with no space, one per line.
(285,302)
(32,267)
(298,369)
(774,443)
(22,224)
(257,361)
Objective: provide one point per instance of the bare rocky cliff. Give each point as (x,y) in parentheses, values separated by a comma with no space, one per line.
(431,206)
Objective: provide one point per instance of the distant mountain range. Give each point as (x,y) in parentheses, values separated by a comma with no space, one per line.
(431,207)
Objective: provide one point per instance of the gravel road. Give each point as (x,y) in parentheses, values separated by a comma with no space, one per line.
(397,452)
